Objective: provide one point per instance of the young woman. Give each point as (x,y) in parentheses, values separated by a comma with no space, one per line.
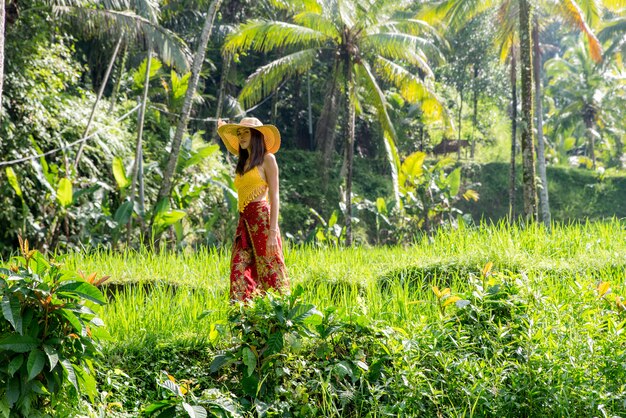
(257,262)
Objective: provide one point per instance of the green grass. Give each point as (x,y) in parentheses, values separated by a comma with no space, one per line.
(562,356)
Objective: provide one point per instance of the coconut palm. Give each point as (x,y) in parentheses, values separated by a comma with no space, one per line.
(363,42)
(198,59)
(580,86)
(576,14)
(615,32)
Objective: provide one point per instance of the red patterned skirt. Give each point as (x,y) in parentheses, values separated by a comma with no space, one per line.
(252,269)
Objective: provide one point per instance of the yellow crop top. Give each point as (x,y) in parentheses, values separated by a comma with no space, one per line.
(249,186)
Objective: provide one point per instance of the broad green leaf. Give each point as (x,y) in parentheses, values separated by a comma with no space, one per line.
(249,359)
(35,363)
(140,75)
(12,312)
(69,370)
(86,382)
(454,180)
(381,206)
(169,218)
(82,289)
(64,192)
(15,364)
(250,385)
(73,320)
(275,342)
(412,167)
(53,356)
(18,343)
(301,312)
(220,361)
(12,177)
(195,411)
(119,172)
(155,406)
(200,155)
(123,213)
(13,390)
(333,219)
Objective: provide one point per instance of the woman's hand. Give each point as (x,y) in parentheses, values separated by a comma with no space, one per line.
(272,242)
(220,122)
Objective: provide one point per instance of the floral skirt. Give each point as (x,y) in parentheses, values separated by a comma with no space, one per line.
(252,269)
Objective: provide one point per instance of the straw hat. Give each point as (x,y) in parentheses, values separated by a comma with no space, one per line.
(228,133)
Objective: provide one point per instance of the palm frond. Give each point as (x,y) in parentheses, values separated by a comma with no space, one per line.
(573,14)
(613,29)
(148,9)
(435,11)
(265,36)
(170,47)
(376,97)
(462,10)
(318,23)
(413,89)
(409,26)
(591,9)
(398,46)
(347,12)
(265,79)
(298,6)
(375,11)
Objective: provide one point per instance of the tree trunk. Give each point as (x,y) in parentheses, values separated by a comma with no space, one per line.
(226,62)
(458,152)
(544,204)
(325,128)
(590,125)
(513,134)
(137,164)
(79,153)
(309,111)
(475,115)
(528,143)
(349,152)
(1,52)
(118,79)
(198,59)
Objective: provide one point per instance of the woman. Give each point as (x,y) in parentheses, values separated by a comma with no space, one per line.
(257,262)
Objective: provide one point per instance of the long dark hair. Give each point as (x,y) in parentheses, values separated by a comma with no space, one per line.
(258,152)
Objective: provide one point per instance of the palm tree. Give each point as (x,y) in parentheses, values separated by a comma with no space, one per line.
(614,32)
(363,41)
(580,85)
(458,11)
(198,60)
(124,20)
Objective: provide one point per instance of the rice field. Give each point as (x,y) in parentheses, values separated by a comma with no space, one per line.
(564,343)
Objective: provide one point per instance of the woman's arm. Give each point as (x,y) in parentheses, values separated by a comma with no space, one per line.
(271,175)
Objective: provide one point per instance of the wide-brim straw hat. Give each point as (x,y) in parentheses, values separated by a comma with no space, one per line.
(228,133)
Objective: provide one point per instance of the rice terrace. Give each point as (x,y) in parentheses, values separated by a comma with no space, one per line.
(312,208)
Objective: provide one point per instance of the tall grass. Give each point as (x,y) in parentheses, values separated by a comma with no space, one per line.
(562,356)
(159,296)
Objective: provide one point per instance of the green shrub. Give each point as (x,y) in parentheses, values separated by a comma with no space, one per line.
(47,339)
